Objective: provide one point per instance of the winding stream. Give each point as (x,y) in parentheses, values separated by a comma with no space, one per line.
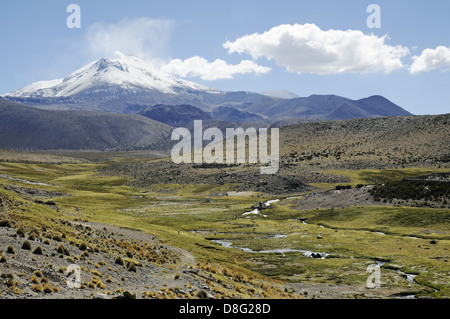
(282,251)
(309,253)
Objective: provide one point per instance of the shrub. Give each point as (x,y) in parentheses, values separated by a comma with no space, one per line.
(20,232)
(62,250)
(132,267)
(33,236)
(10,250)
(38,250)
(339,187)
(35,279)
(202,294)
(26,245)
(37,288)
(96,282)
(5,223)
(3,258)
(48,289)
(119,261)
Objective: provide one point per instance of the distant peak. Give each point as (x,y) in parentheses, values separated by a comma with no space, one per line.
(123,75)
(284,94)
(104,64)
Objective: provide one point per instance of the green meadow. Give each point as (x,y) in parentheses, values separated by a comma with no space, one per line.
(199,217)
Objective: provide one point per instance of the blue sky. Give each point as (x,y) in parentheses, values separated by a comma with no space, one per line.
(244,45)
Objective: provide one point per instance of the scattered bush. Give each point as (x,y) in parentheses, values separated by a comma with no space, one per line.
(62,250)
(119,261)
(339,187)
(20,232)
(37,288)
(202,294)
(10,249)
(33,236)
(96,282)
(132,267)
(412,189)
(5,223)
(46,288)
(26,245)
(38,250)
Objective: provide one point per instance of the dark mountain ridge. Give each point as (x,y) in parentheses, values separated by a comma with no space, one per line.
(23,127)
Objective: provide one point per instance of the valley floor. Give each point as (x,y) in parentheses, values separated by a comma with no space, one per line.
(179,239)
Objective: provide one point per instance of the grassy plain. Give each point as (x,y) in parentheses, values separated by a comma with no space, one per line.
(193,217)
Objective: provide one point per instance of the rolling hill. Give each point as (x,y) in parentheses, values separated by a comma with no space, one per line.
(23,127)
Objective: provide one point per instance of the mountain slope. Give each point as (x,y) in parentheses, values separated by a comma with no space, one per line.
(23,127)
(124,84)
(331,107)
(111,85)
(380,106)
(379,142)
(346,111)
(227,113)
(175,115)
(126,75)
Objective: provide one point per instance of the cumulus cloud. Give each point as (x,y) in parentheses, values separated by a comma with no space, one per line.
(197,66)
(431,59)
(308,49)
(143,37)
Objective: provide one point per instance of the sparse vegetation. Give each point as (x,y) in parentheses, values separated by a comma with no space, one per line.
(38,250)
(26,245)
(10,249)
(175,213)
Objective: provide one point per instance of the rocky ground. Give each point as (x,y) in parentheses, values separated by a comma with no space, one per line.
(110,262)
(29,274)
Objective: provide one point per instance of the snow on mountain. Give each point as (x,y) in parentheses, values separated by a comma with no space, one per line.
(126,74)
(283,94)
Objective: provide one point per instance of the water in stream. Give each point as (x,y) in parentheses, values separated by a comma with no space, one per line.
(282,251)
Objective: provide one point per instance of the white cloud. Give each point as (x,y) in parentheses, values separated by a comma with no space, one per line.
(197,66)
(431,59)
(308,49)
(143,37)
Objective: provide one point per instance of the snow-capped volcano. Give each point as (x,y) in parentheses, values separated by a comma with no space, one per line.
(113,77)
(129,85)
